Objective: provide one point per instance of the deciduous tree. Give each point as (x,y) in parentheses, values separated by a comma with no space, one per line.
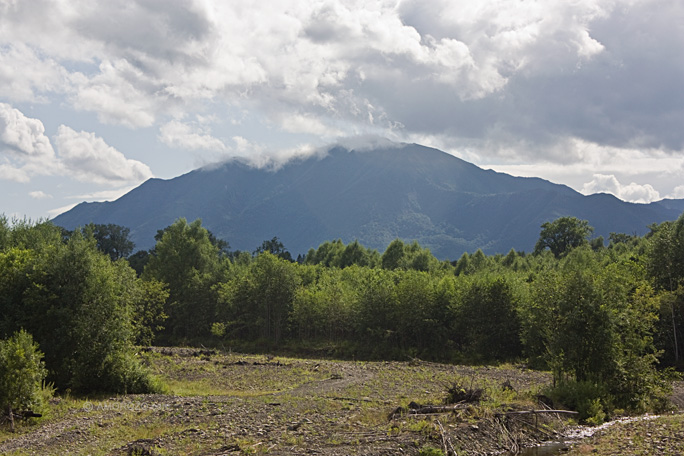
(562,235)
(189,263)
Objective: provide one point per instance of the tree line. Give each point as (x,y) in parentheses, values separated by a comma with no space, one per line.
(600,317)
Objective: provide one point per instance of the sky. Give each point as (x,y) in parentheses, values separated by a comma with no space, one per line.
(98,96)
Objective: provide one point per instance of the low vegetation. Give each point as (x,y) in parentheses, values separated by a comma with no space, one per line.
(22,376)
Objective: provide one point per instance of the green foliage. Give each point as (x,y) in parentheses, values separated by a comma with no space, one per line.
(78,304)
(420,324)
(664,255)
(592,401)
(148,311)
(510,258)
(138,261)
(84,306)
(256,302)
(274,247)
(563,235)
(670,334)
(393,255)
(326,308)
(25,234)
(622,238)
(377,322)
(354,254)
(398,255)
(462,266)
(22,373)
(218,329)
(593,324)
(5,232)
(327,254)
(189,263)
(486,319)
(15,270)
(408,256)
(336,254)
(477,262)
(592,315)
(110,239)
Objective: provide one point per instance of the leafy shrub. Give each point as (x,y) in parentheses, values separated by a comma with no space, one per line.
(593,402)
(80,306)
(22,373)
(120,373)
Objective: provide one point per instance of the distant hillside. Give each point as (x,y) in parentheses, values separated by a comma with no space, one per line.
(408,191)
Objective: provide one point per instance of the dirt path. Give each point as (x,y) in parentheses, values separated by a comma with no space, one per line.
(332,386)
(72,429)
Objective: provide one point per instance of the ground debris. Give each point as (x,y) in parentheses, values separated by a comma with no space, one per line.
(457,394)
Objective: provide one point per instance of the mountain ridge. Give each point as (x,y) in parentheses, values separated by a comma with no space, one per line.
(404,191)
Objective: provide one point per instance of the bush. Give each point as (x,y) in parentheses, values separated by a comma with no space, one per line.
(593,402)
(83,309)
(124,374)
(22,373)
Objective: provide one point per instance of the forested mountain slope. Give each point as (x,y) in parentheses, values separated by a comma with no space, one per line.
(406,191)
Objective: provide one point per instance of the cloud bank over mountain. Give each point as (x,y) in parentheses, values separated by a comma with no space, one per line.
(566,90)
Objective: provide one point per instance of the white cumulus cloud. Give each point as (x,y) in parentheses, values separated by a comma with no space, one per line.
(39,194)
(26,76)
(22,135)
(89,158)
(189,136)
(24,148)
(633,192)
(120,94)
(678,192)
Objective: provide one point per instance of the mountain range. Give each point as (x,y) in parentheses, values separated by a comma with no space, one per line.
(393,191)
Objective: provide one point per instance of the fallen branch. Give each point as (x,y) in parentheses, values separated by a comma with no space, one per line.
(355,399)
(435,409)
(447,446)
(534,426)
(416,409)
(11,416)
(527,412)
(514,447)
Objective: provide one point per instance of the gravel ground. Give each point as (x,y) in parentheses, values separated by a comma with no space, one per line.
(230,404)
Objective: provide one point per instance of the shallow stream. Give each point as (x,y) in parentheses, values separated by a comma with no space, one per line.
(573,436)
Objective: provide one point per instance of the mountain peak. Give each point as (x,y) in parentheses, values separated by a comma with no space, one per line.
(370,191)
